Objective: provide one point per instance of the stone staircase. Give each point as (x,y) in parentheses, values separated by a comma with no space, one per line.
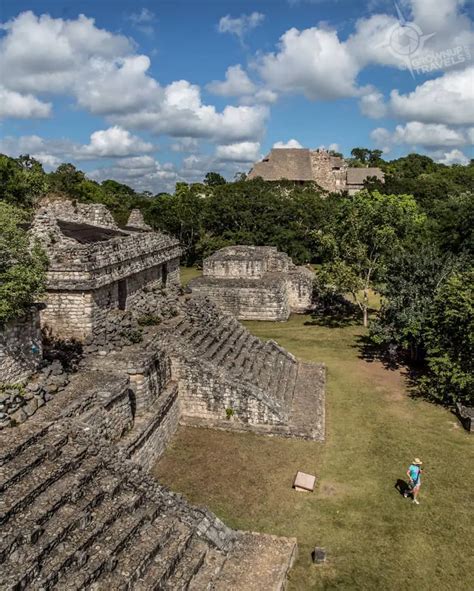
(229,345)
(76,517)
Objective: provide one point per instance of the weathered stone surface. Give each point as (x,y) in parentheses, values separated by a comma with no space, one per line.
(20,348)
(94,269)
(78,508)
(304,482)
(255,283)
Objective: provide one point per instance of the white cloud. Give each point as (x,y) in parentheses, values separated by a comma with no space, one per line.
(240,152)
(453,157)
(415,133)
(289,144)
(185,144)
(241,25)
(313,62)
(113,142)
(105,76)
(181,113)
(372,104)
(45,54)
(22,106)
(236,83)
(447,99)
(143,21)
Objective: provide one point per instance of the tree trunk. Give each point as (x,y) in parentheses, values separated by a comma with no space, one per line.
(366,307)
(366,316)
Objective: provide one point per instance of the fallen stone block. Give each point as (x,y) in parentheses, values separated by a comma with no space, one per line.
(304,482)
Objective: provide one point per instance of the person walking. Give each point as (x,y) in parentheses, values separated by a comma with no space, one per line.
(414,474)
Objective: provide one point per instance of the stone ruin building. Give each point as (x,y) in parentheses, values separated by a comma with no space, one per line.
(255,283)
(302,165)
(79,508)
(95,267)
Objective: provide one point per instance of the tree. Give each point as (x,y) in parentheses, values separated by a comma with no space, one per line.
(412,279)
(450,342)
(22,180)
(22,266)
(66,179)
(360,236)
(214,179)
(360,154)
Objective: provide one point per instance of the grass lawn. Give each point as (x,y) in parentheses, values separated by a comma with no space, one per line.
(375,539)
(188,273)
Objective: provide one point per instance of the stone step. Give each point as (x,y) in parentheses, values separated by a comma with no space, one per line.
(165,563)
(45,506)
(122,554)
(188,566)
(65,521)
(244,351)
(9,450)
(29,458)
(96,522)
(24,491)
(219,335)
(209,570)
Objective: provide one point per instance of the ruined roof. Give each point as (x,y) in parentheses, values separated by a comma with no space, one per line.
(86,233)
(293,164)
(357,176)
(240,252)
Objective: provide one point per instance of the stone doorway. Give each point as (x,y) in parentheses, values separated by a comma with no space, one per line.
(164,274)
(122,294)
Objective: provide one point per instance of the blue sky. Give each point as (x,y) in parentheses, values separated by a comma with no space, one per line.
(151,93)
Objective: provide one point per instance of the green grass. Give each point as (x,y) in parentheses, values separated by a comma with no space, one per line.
(375,539)
(188,273)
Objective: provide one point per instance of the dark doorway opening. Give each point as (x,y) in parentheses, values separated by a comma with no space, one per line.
(164,274)
(122,294)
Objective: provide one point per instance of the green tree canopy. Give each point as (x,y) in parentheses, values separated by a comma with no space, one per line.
(22,266)
(360,236)
(450,341)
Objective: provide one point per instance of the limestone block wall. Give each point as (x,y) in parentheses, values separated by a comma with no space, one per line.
(20,348)
(75,314)
(95,214)
(321,164)
(149,439)
(247,300)
(153,399)
(300,289)
(205,395)
(234,269)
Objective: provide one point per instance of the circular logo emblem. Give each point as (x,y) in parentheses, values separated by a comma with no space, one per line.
(405,39)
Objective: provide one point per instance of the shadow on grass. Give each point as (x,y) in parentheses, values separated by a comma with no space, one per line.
(334,311)
(402,487)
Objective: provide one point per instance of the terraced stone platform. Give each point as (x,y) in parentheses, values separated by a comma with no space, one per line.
(76,513)
(231,379)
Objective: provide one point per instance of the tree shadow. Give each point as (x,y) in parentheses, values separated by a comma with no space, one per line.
(333,311)
(370,352)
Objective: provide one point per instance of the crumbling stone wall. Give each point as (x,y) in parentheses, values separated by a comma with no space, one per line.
(20,348)
(300,289)
(321,164)
(95,214)
(247,300)
(255,283)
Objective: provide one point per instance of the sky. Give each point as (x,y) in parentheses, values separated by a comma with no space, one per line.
(157,92)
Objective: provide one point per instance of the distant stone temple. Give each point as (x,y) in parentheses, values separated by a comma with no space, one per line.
(255,283)
(303,165)
(95,267)
(78,443)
